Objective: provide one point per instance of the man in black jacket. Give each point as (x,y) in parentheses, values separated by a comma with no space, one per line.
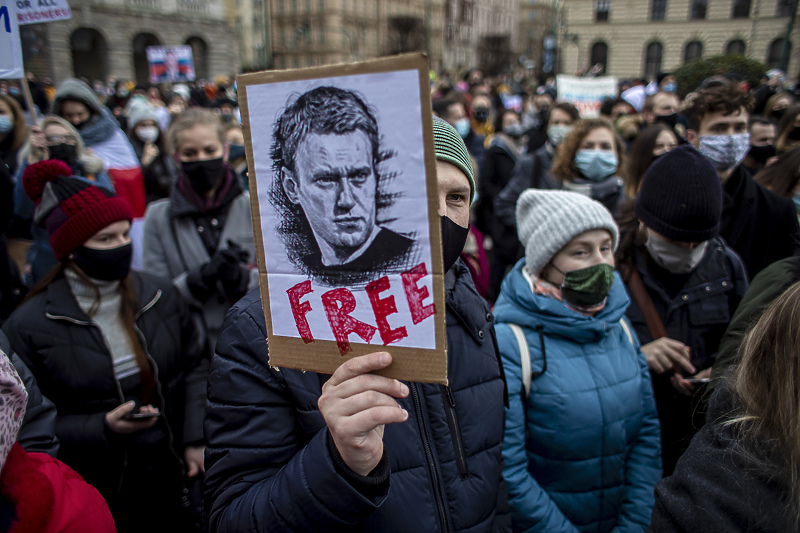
(759,225)
(299,451)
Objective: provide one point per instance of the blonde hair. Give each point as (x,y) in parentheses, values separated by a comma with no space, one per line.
(188,119)
(90,163)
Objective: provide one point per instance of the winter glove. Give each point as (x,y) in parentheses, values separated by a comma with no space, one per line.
(225,266)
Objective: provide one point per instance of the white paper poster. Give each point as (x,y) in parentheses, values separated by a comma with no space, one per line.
(10,47)
(587,94)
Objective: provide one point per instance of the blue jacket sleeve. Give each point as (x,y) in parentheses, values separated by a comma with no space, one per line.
(532,509)
(643,464)
(261,474)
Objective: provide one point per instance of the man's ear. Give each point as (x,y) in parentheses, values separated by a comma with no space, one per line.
(290,186)
(693,138)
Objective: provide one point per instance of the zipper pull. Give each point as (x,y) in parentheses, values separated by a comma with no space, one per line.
(450,397)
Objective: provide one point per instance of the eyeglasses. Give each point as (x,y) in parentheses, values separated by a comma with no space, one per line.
(59,139)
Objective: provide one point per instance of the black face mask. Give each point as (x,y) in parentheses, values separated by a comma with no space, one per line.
(760,154)
(481,114)
(107,265)
(68,153)
(670,120)
(454,237)
(204,175)
(794,135)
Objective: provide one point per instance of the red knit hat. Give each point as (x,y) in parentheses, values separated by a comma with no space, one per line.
(71,209)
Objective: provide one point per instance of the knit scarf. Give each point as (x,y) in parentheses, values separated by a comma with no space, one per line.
(99,128)
(13,401)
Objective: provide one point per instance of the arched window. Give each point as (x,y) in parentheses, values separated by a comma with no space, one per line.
(200,56)
(784,8)
(736,46)
(698,9)
(599,55)
(140,44)
(89,54)
(658,10)
(652,59)
(740,9)
(774,53)
(693,50)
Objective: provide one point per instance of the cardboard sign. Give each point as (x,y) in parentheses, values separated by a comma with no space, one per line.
(35,11)
(344,201)
(170,63)
(587,94)
(10,47)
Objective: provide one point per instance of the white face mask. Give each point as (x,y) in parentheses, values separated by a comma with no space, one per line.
(147,134)
(674,258)
(557,132)
(725,151)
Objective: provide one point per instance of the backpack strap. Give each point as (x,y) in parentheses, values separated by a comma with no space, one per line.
(627,329)
(525,357)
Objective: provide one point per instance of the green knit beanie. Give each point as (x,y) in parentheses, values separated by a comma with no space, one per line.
(450,147)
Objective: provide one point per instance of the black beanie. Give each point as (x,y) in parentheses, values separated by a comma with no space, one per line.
(681,196)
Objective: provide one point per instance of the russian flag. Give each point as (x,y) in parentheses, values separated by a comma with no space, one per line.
(124,169)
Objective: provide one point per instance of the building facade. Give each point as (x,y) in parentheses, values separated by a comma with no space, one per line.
(536,22)
(481,33)
(639,38)
(108,38)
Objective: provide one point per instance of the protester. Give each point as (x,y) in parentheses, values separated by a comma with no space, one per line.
(279,441)
(147,139)
(201,237)
(454,113)
(661,107)
(685,284)
(102,340)
(740,472)
(237,159)
(482,112)
(76,102)
(614,108)
(591,161)
(758,224)
(788,134)
(117,101)
(762,143)
(12,288)
(651,143)
(13,132)
(783,176)
(581,448)
(777,105)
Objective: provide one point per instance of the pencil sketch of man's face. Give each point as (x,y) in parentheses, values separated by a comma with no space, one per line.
(334,182)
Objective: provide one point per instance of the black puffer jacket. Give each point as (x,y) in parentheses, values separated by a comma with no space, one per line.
(269,467)
(73,367)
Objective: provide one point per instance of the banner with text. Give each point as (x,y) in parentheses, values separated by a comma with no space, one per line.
(587,94)
(10,46)
(35,11)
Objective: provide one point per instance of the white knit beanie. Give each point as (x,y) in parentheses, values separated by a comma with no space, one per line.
(548,220)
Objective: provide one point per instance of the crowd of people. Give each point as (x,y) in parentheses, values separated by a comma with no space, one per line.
(621,337)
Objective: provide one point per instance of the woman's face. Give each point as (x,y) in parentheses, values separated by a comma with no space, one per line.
(598,139)
(57,134)
(199,143)
(665,142)
(234,136)
(587,249)
(112,236)
(559,117)
(509,119)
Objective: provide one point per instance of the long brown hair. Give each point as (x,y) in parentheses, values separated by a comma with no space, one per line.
(129,306)
(641,156)
(564,167)
(785,127)
(20,130)
(766,389)
(782,175)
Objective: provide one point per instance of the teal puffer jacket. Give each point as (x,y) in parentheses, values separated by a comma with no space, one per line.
(581,452)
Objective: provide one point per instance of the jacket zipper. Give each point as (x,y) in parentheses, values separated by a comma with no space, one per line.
(455,432)
(426,444)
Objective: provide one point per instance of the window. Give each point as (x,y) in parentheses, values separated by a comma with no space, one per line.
(693,50)
(601,9)
(698,9)
(774,53)
(741,9)
(736,46)
(652,60)
(658,10)
(599,56)
(784,8)
(531,16)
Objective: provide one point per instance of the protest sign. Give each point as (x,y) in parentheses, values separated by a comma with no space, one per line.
(35,11)
(10,47)
(344,201)
(587,94)
(170,63)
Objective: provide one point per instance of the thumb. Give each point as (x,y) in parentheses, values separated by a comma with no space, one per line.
(193,469)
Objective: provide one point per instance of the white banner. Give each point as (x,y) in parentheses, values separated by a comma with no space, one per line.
(10,46)
(33,11)
(587,94)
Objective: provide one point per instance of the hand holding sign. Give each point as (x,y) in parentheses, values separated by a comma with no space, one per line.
(356,405)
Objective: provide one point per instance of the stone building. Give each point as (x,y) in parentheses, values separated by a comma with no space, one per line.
(638,38)
(109,38)
(304,33)
(536,22)
(481,33)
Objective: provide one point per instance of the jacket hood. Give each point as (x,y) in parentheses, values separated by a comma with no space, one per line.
(517,304)
(74,89)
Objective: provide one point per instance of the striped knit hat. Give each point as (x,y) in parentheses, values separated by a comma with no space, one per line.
(71,209)
(450,147)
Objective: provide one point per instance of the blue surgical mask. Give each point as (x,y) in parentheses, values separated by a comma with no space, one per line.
(596,165)
(462,127)
(670,87)
(725,151)
(5,124)
(557,132)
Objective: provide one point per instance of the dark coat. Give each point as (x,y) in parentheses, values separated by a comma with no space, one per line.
(718,489)
(696,315)
(532,171)
(74,369)
(758,224)
(160,175)
(269,467)
(492,178)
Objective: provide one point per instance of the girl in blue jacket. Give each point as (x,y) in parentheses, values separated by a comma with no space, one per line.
(581,445)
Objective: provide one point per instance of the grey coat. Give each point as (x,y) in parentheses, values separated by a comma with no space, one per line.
(172,247)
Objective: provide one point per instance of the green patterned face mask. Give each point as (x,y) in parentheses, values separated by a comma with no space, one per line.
(587,286)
